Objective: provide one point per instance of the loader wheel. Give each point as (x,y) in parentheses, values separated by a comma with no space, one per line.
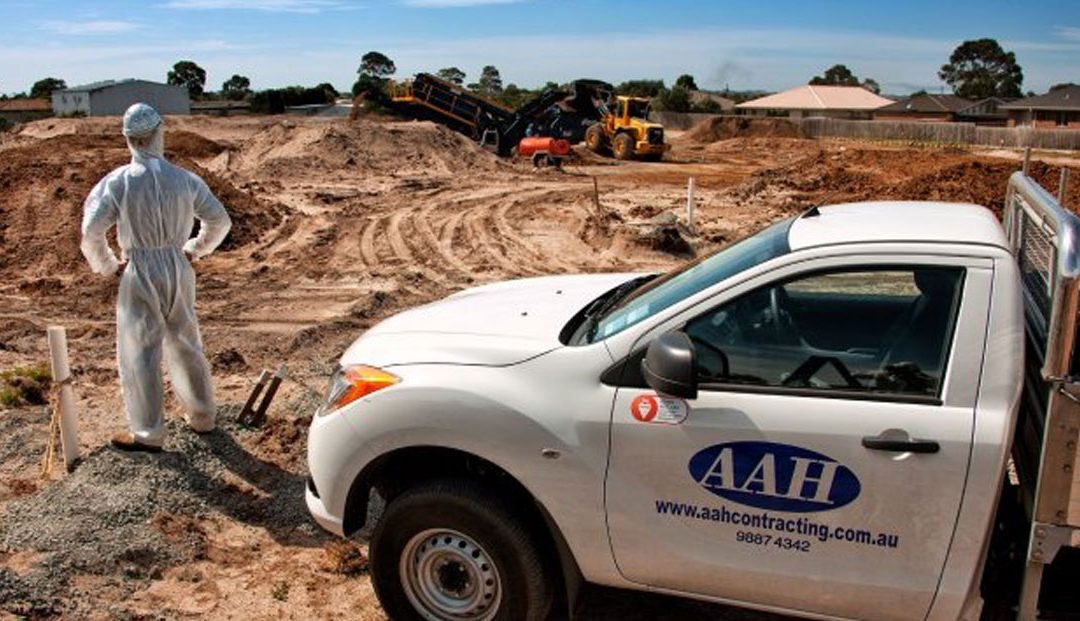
(623,146)
(451,550)
(594,139)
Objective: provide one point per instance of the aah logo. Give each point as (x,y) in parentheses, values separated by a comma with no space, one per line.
(774,476)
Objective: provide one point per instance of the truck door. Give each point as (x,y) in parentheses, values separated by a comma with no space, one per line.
(822,465)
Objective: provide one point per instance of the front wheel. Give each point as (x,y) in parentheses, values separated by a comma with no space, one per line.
(451,550)
(623,146)
(594,138)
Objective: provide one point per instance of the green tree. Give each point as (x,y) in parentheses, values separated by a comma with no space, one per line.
(376,65)
(513,96)
(189,75)
(708,106)
(42,89)
(837,75)
(452,75)
(675,99)
(640,88)
(490,82)
(236,88)
(981,68)
(375,68)
(686,81)
(328,88)
(1058,87)
(871,85)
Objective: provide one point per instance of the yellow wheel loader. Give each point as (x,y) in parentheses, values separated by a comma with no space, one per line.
(627,132)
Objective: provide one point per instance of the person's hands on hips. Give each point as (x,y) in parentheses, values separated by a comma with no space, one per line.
(189,250)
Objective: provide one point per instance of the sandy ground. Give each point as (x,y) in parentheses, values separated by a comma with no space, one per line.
(337,225)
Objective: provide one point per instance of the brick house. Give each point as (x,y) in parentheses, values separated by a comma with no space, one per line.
(1058,109)
(924,107)
(24,110)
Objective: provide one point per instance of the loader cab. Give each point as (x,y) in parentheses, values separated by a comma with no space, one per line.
(627,108)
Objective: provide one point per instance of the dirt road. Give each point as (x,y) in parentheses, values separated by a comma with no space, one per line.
(337,225)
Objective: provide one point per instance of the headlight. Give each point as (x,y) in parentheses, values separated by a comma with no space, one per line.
(353,382)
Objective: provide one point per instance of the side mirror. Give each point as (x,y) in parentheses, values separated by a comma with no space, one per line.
(668,366)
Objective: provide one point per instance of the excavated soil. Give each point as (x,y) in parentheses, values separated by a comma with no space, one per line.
(727,127)
(337,224)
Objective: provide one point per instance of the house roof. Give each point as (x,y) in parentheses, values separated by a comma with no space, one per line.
(1065,98)
(812,97)
(927,103)
(97,86)
(25,105)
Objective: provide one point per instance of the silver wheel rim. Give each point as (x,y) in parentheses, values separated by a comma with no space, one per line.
(448,576)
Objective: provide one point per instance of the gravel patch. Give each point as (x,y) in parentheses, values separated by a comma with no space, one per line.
(133,515)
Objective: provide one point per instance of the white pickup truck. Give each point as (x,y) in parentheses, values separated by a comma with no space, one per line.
(815,421)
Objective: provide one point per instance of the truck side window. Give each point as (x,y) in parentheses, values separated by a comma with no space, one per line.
(870,331)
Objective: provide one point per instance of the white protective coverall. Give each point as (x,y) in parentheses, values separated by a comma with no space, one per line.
(153,205)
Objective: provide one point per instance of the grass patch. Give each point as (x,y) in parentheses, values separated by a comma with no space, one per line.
(25,386)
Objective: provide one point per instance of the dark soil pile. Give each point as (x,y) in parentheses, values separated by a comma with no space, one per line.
(727,127)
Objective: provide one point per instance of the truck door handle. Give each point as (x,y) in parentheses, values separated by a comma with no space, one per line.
(879,443)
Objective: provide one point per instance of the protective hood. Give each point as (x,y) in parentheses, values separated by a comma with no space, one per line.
(493,325)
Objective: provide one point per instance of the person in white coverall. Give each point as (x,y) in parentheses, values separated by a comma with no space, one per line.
(153,205)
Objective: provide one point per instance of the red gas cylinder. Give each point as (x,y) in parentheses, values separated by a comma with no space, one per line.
(551,146)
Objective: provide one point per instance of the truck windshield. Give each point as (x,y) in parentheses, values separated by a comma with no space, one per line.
(660,293)
(639,109)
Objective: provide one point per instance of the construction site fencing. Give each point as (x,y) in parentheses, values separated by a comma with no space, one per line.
(903,131)
(942,133)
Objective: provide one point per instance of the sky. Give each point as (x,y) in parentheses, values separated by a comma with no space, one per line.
(766,45)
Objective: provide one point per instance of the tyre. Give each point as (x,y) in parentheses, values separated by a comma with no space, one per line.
(623,146)
(594,139)
(451,550)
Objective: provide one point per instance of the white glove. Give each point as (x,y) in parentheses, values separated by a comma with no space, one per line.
(189,248)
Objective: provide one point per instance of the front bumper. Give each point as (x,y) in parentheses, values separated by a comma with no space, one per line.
(321,515)
(645,148)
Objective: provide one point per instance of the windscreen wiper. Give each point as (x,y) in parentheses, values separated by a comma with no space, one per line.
(604,303)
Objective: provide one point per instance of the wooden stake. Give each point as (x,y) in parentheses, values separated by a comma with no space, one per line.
(690,204)
(596,197)
(1063,185)
(61,372)
(260,414)
(1027,160)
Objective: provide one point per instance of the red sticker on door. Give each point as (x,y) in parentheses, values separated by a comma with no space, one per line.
(656,409)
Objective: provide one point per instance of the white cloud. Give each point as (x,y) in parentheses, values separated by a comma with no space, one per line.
(445,4)
(274,6)
(1069,33)
(96,27)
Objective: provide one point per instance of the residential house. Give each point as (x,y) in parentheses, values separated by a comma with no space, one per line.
(924,107)
(842,102)
(1058,109)
(23,110)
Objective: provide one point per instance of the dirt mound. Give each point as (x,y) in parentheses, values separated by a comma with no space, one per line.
(43,184)
(727,127)
(860,175)
(181,144)
(289,150)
